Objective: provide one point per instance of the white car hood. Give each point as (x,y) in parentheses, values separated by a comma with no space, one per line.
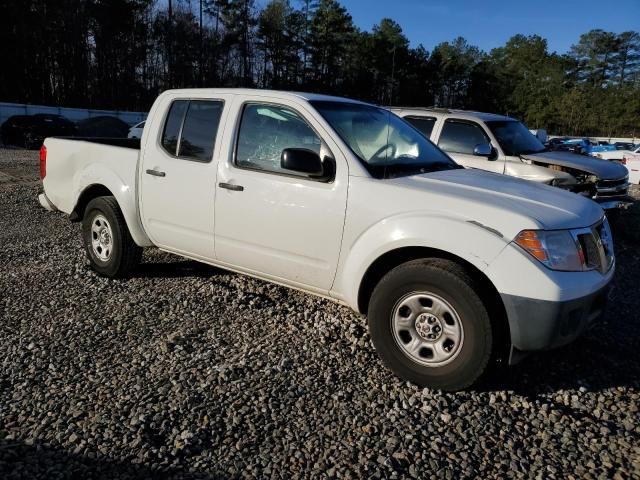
(499,201)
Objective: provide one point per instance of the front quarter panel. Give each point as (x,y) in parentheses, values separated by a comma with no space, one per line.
(473,242)
(537,173)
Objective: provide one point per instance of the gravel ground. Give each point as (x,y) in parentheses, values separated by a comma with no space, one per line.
(186,371)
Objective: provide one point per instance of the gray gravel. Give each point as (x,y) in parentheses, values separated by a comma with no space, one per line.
(186,371)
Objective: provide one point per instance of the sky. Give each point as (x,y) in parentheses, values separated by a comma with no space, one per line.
(490,23)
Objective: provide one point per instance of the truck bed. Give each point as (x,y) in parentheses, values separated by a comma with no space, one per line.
(133,143)
(75,164)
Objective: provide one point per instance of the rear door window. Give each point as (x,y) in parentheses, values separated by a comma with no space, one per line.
(423,124)
(459,136)
(190,129)
(173,125)
(199,130)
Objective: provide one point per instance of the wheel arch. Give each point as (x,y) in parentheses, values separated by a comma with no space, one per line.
(95,190)
(393,258)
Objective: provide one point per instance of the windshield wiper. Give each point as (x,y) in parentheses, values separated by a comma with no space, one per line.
(531,152)
(403,169)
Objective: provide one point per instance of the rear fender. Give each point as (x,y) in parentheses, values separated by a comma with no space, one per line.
(123,191)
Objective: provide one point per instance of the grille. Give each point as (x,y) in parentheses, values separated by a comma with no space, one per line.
(612,188)
(597,246)
(591,251)
(604,232)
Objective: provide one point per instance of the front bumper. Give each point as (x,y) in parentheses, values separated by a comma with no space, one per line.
(544,324)
(546,308)
(617,203)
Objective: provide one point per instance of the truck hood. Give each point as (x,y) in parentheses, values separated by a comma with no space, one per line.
(603,169)
(506,204)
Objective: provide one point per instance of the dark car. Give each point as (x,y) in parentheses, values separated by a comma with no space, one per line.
(624,146)
(555,143)
(564,145)
(104,126)
(29,131)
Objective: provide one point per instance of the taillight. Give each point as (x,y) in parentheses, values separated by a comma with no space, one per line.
(43,162)
(624,160)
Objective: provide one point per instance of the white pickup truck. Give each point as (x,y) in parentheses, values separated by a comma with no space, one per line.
(345,200)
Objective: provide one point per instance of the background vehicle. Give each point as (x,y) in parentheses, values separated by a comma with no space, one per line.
(452,266)
(624,146)
(584,146)
(136,130)
(554,143)
(632,162)
(104,126)
(617,154)
(29,131)
(503,145)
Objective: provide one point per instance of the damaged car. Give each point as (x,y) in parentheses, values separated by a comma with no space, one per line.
(501,144)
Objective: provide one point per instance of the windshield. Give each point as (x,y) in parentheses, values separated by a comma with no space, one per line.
(387,145)
(514,138)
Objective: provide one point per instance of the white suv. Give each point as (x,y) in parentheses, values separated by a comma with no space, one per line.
(504,145)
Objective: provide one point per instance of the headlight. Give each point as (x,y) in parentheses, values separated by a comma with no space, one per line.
(557,249)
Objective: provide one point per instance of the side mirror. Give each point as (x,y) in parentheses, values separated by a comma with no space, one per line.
(301,160)
(483,150)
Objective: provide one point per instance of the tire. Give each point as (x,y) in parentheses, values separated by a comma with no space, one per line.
(110,249)
(448,339)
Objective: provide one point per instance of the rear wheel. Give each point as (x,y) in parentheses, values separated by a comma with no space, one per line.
(110,249)
(429,324)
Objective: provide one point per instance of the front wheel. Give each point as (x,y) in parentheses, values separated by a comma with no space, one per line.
(430,326)
(110,249)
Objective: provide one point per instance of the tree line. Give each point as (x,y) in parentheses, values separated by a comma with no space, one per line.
(119,54)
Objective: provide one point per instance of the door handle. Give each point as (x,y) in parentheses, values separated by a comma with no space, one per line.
(156,173)
(231,186)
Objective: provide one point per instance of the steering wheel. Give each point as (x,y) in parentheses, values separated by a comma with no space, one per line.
(382,149)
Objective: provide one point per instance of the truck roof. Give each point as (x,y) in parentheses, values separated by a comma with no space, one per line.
(257,91)
(450,111)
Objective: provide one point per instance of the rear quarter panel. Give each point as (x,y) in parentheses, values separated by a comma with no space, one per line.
(75,165)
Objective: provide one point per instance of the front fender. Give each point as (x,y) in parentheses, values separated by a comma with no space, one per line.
(469,240)
(122,190)
(538,173)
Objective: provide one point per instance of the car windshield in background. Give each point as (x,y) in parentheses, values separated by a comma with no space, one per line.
(514,138)
(387,145)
